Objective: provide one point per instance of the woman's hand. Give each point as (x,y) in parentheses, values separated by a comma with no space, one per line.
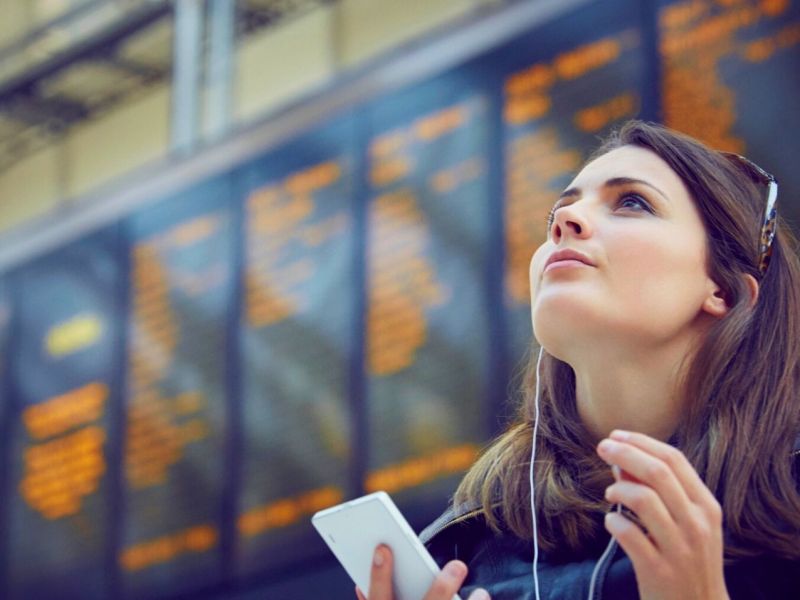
(680,556)
(444,587)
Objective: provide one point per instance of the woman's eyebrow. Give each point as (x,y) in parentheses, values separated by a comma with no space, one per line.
(613,182)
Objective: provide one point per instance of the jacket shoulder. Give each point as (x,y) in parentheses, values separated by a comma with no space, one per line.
(459,532)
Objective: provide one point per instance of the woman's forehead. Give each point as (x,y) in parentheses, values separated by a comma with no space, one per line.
(630,162)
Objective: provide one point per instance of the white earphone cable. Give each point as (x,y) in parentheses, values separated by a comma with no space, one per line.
(533,503)
(595,572)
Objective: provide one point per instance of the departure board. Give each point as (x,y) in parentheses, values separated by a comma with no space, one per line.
(559,97)
(61,390)
(427,317)
(297,337)
(180,294)
(731,77)
(345,311)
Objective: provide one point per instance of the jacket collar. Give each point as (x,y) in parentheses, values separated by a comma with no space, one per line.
(451,516)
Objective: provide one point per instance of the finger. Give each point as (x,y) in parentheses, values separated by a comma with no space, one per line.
(448,582)
(651,471)
(650,510)
(479,594)
(359,595)
(380,576)
(684,471)
(634,542)
(620,475)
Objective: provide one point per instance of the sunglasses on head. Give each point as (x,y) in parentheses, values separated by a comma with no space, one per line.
(759,175)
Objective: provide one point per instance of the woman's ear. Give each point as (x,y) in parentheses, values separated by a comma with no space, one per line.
(716,303)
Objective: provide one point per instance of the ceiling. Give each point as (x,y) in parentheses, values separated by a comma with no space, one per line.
(94,57)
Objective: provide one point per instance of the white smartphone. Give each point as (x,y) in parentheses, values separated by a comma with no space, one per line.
(353,529)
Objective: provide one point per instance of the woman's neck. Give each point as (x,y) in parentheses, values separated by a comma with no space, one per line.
(637,391)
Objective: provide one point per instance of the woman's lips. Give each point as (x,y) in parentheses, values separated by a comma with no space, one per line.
(565,264)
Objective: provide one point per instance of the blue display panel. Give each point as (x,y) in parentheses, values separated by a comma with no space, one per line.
(560,94)
(427,331)
(62,390)
(180,294)
(731,77)
(298,335)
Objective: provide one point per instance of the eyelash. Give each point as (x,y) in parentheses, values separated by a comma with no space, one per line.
(622,197)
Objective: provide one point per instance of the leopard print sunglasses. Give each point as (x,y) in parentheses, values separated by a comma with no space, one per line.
(759,175)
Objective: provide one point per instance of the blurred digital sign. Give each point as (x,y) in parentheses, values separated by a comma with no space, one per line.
(344,313)
(62,390)
(731,77)
(180,288)
(296,340)
(427,315)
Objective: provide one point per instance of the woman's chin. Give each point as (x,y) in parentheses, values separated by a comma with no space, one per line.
(563,328)
(565,310)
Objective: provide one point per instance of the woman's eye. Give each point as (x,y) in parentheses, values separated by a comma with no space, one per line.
(629,200)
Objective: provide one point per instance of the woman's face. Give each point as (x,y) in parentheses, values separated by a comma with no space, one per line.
(630,216)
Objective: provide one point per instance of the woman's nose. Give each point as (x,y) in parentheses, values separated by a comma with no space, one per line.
(568,221)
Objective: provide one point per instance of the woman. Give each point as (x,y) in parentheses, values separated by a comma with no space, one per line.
(666,300)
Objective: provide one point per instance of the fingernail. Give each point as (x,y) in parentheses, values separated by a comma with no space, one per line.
(606,446)
(620,434)
(479,594)
(378,558)
(455,570)
(616,472)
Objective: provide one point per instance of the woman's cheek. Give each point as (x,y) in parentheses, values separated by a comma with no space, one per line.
(536,267)
(654,280)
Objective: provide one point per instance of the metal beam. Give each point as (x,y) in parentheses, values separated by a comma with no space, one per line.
(219,68)
(86,49)
(186,72)
(36,110)
(139,69)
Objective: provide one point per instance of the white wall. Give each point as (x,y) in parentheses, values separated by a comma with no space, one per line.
(367,27)
(277,65)
(128,137)
(30,188)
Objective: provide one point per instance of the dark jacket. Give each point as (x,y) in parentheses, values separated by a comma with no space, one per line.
(502,564)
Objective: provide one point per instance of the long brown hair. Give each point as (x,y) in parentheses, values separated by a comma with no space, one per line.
(741,388)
